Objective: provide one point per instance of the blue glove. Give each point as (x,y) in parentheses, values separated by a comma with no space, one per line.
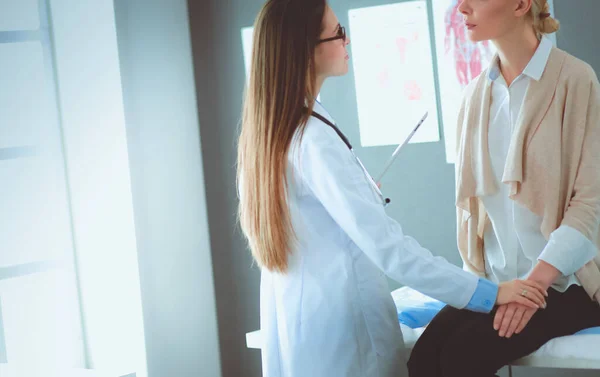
(593,330)
(420,315)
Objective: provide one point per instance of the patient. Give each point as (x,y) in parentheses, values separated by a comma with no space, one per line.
(528,193)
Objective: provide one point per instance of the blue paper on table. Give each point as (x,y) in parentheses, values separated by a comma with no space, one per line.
(419,315)
(593,330)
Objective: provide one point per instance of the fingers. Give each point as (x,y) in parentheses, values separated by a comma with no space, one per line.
(508,316)
(520,291)
(499,316)
(536,285)
(525,320)
(532,293)
(511,319)
(516,321)
(541,292)
(524,301)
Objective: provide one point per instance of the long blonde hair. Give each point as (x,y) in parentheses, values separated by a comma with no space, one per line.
(281,83)
(543,22)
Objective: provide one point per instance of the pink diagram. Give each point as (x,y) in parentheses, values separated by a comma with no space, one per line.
(401,44)
(468,56)
(412,90)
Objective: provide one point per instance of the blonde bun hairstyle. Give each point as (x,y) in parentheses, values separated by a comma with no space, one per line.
(543,22)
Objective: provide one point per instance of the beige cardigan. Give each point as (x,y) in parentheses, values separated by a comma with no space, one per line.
(553,163)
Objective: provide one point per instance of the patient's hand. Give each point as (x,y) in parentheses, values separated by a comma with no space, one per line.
(526,292)
(512,318)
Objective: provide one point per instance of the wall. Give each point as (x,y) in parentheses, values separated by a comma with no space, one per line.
(218,61)
(39,297)
(167,180)
(96,153)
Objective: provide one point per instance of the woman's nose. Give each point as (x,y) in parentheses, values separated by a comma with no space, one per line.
(463,7)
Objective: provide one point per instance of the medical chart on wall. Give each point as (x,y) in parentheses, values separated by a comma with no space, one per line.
(393,72)
(459,61)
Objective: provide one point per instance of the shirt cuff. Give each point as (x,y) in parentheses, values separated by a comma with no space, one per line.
(484,298)
(568,250)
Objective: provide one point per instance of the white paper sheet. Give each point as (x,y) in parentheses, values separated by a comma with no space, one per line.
(247,34)
(393,72)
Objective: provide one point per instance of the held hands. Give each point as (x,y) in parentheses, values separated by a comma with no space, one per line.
(518,301)
(512,318)
(524,292)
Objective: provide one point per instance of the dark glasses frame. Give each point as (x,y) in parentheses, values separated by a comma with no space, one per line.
(341,34)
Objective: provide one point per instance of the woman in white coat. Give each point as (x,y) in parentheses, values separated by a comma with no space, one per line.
(315,220)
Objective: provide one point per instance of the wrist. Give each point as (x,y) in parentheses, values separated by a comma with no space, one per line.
(543,281)
(544,274)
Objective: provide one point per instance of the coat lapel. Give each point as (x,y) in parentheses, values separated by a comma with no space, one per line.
(537,101)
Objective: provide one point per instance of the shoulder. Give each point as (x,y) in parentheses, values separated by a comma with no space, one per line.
(317,143)
(477,82)
(575,71)
(317,134)
(578,91)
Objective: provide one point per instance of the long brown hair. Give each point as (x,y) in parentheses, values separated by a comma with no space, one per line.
(282,82)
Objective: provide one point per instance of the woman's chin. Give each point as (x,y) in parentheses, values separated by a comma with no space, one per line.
(341,70)
(475,37)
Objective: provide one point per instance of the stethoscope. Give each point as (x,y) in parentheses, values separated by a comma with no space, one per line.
(320,117)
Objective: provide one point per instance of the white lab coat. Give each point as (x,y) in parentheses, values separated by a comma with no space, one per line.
(331,314)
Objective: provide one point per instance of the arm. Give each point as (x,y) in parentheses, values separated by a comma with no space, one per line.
(333,175)
(566,252)
(583,212)
(572,245)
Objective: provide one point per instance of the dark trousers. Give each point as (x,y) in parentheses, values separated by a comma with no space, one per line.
(463,343)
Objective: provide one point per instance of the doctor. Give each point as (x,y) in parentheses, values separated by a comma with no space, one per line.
(315,220)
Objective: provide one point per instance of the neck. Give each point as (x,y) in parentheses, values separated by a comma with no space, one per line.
(318,85)
(515,50)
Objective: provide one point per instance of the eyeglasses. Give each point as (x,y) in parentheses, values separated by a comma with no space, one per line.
(341,34)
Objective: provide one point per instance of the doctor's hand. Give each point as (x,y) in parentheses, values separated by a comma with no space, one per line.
(525,292)
(512,318)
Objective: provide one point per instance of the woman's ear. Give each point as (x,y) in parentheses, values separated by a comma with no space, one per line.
(523,7)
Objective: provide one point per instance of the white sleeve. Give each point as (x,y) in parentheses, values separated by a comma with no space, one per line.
(333,175)
(568,250)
